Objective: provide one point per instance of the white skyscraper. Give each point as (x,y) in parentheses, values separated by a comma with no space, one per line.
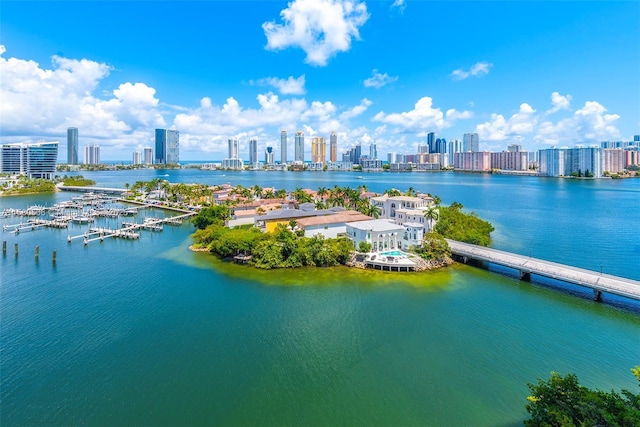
(233,148)
(92,155)
(137,158)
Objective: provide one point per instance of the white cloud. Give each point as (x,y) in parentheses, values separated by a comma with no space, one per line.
(357,110)
(590,124)
(399,4)
(478,69)
(423,117)
(514,128)
(288,86)
(38,103)
(559,102)
(378,80)
(321,28)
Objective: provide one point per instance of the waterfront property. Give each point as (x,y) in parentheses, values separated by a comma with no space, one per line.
(32,159)
(330,226)
(381,234)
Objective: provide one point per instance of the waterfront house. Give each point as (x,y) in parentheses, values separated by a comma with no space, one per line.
(270,220)
(381,234)
(330,226)
(389,205)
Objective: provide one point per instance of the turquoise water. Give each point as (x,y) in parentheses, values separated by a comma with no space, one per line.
(147,332)
(392,253)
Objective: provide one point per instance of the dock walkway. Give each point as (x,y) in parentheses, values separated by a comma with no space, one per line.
(594,280)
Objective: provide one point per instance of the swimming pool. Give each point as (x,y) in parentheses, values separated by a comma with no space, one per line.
(392,253)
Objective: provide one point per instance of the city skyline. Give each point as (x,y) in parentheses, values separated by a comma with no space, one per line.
(375,77)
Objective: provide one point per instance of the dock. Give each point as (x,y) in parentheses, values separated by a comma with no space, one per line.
(526,266)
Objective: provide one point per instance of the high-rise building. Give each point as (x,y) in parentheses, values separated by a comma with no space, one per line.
(269,156)
(510,160)
(318,150)
(472,161)
(137,158)
(431,142)
(391,157)
(373,151)
(33,159)
(283,147)
(333,147)
(454,146)
(233,148)
(253,151)
(470,142)
(614,160)
(72,146)
(299,147)
(148,155)
(514,148)
(581,161)
(92,154)
(636,138)
(167,146)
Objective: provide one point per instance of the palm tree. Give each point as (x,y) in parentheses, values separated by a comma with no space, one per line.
(393,192)
(281,194)
(436,200)
(322,192)
(411,192)
(432,215)
(257,191)
(456,206)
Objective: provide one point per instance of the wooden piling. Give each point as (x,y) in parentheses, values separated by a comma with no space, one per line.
(54,257)
(4,247)
(37,254)
(16,248)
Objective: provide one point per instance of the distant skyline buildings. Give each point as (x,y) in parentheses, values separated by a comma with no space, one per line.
(167,146)
(333,147)
(318,150)
(299,146)
(72,146)
(283,147)
(92,154)
(470,142)
(253,151)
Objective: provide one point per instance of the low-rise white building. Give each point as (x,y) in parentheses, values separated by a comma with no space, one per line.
(389,205)
(413,235)
(381,234)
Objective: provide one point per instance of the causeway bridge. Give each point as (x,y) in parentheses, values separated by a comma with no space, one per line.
(527,266)
(102,190)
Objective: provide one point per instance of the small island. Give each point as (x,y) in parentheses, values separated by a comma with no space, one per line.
(393,231)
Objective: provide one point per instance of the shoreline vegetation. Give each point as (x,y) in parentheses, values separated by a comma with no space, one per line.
(22,185)
(287,247)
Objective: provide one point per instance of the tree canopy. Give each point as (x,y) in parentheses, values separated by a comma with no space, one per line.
(457,225)
(562,401)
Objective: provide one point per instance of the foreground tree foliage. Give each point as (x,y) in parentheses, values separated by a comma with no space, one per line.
(279,249)
(562,401)
(464,227)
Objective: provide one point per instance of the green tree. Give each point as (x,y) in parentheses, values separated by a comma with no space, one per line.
(431,215)
(434,246)
(364,247)
(562,401)
(216,214)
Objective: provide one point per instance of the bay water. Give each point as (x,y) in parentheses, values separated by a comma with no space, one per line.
(148,332)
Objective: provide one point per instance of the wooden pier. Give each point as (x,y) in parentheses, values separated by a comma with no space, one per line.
(527,266)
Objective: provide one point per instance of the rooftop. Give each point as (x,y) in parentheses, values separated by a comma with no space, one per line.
(339,217)
(376,225)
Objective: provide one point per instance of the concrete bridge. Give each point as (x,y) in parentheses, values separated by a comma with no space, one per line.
(102,190)
(527,266)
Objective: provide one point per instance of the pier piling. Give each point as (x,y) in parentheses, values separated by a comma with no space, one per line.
(37,254)
(53,259)
(16,248)
(4,247)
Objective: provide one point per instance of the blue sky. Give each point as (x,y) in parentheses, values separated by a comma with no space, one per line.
(538,73)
